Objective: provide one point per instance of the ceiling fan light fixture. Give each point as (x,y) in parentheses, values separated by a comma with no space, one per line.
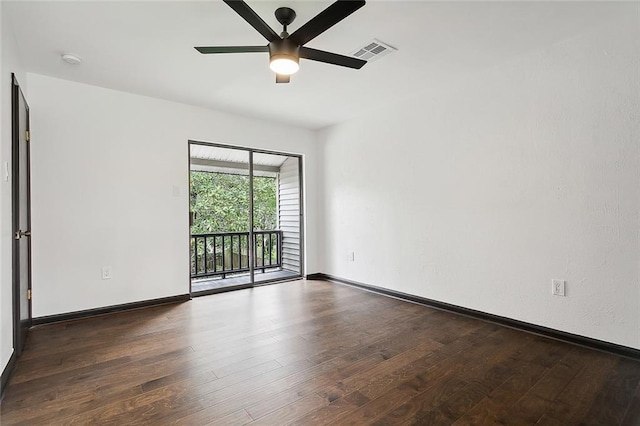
(284,56)
(285,65)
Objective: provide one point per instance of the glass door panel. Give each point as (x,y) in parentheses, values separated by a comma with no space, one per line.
(219,204)
(276,217)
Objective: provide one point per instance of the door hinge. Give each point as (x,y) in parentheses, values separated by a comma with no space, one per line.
(20,234)
(26,135)
(29,294)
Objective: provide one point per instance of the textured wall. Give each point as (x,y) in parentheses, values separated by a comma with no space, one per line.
(481,192)
(110,188)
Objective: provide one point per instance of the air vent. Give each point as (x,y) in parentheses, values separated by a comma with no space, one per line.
(373,51)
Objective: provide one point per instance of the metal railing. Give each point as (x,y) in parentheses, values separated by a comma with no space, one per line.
(222,253)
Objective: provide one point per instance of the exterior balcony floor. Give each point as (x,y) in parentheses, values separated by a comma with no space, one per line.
(203,286)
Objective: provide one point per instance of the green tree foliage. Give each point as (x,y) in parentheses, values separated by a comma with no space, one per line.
(221,202)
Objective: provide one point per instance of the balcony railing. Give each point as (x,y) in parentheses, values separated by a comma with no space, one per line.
(223,253)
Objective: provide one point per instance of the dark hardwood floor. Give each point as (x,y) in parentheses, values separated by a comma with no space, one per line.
(306,353)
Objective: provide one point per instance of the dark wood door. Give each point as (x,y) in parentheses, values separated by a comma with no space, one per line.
(21,201)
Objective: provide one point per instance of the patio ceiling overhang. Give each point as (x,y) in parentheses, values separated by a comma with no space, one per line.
(233,161)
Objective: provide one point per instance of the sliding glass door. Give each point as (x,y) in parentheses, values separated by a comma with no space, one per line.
(245,217)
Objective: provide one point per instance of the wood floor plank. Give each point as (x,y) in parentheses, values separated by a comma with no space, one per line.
(616,394)
(632,416)
(539,398)
(496,404)
(576,399)
(395,370)
(439,379)
(291,412)
(335,409)
(310,353)
(221,402)
(240,417)
(292,387)
(482,369)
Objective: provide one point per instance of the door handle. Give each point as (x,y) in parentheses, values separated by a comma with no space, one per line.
(20,234)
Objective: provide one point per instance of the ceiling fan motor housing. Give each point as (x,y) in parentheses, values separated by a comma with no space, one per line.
(284,49)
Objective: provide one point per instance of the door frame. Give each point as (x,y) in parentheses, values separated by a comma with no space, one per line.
(250,152)
(16,93)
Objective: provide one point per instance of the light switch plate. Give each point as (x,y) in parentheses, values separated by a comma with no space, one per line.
(558,287)
(106,272)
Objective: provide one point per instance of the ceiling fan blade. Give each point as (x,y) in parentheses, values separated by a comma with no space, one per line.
(253,19)
(325,20)
(331,58)
(232,49)
(281,78)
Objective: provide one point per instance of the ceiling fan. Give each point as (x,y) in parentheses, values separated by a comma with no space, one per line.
(286,50)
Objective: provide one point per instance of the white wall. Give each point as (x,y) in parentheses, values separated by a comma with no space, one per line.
(480,192)
(110,188)
(10,63)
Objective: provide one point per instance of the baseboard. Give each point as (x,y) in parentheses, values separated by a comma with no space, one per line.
(7,372)
(575,339)
(316,276)
(109,309)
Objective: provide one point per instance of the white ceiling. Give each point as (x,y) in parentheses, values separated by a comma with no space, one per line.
(146,47)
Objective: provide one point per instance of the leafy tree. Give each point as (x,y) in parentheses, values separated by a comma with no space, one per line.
(221,202)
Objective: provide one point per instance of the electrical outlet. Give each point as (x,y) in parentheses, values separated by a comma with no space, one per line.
(106,272)
(351,256)
(557,287)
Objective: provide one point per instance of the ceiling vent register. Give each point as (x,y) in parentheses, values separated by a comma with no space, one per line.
(373,51)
